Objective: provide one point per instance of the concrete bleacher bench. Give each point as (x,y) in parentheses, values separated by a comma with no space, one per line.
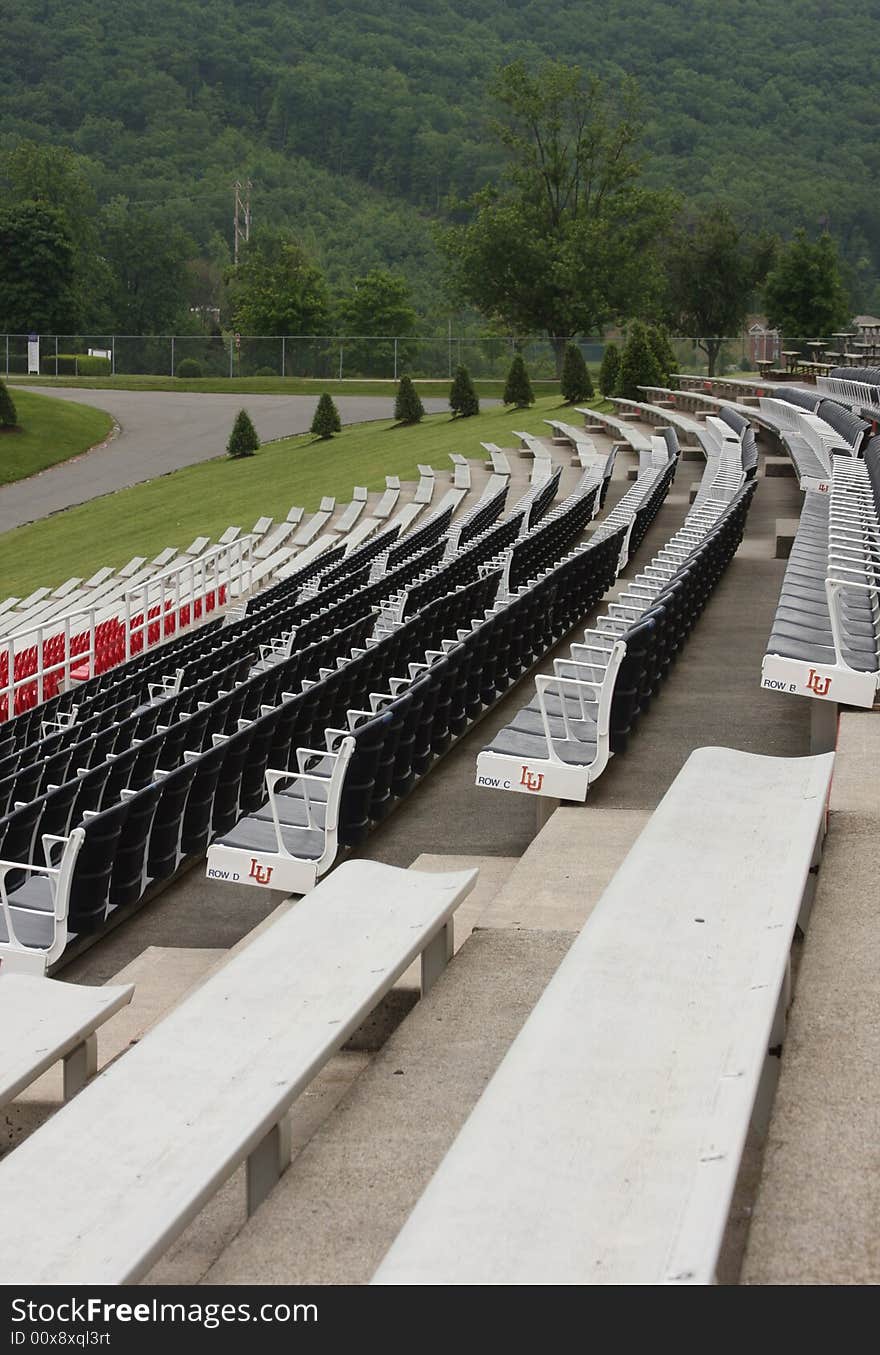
(350,515)
(498,461)
(639,441)
(44,1022)
(606,1147)
(273,538)
(316,523)
(425,488)
(585,449)
(461,471)
(119,1172)
(406,515)
(388,502)
(542,462)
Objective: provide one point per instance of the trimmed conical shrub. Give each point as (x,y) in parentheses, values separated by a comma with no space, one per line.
(8,413)
(518,390)
(243,440)
(663,352)
(408,408)
(326,421)
(609,370)
(577,384)
(462,397)
(638,364)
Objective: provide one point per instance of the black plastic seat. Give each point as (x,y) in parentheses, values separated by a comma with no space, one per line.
(196,827)
(164,849)
(90,884)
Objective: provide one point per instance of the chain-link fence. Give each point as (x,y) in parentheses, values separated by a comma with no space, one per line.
(348,356)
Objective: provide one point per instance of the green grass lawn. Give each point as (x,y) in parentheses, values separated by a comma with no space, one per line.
(50,431)
(205,499)
(267,385)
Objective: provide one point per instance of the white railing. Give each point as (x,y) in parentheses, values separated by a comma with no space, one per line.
(821,438)
(857,394)
(853,546)
(42,659)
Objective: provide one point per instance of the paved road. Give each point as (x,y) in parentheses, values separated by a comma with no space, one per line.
(162,431)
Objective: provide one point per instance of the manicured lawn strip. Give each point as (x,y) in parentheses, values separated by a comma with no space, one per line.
(202,500)
(51,431)
(269,385)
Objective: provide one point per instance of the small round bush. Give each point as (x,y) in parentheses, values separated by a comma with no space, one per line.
(188,369)
(265,371)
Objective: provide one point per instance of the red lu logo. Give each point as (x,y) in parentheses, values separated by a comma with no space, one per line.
(818,685)
(262,874)
(531,780)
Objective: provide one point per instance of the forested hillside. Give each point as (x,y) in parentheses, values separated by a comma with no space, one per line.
(359,120)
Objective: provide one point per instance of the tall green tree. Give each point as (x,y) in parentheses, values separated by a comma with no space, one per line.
(278,289)
(804,295)
(377,303)
(713,268)
(145,285)
(37,271)
(568,240)
(55,177)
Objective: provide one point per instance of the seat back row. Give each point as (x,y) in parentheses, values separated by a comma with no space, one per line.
(825,641)
(373,756)
(584,712)
(135,816)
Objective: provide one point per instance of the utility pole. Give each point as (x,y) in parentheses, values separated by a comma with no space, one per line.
(242,219)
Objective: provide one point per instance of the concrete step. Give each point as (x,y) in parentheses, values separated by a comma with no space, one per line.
(560,877)
(348,1192)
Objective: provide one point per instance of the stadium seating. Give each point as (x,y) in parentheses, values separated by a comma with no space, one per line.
(584,713)
(825,642)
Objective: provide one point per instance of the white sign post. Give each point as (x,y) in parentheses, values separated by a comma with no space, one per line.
(33,355)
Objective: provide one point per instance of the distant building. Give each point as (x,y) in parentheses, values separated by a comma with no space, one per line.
(765,345)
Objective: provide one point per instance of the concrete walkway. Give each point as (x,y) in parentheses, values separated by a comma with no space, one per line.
(816,1216)
(162,431)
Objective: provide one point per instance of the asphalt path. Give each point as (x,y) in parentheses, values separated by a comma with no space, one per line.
(162,431)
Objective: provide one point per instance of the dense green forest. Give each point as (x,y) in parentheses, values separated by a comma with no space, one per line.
(362,123)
